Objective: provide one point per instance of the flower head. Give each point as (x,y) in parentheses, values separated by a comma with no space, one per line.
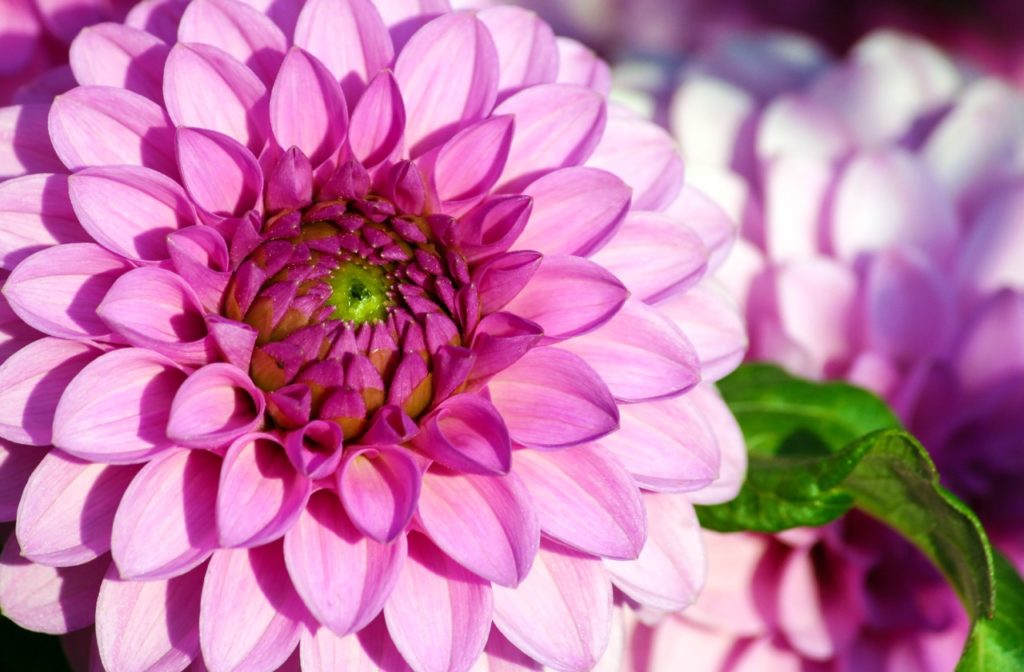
(364,326)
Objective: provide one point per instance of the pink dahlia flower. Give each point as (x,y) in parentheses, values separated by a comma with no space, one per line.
(882,208)
(352,335)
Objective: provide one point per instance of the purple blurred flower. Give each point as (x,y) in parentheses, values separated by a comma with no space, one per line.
(360,325)
(882,208)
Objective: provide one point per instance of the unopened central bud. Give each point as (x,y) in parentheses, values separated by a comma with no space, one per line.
(360,293)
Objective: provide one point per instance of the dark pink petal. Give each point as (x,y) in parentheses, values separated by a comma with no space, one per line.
(260,495)
(106,126)
(343,577)
(987,261)
(200,256)
(561,616)
(57,290)
(217,404)
(640,354)
(501,339)
(557,125)
(493,226)
(14,333)
(644,156)
(484,146)
(116,409)
(551,398)
(380,488)
(378,121)
(221,176)
(584,498)
(485,523)
(349,37)
(243,31)
(156,309)
(109,54)
(205,87)
(575,211)
(713,325)
(31,382)
(578,64)
(527,52)
(569,296)
(733,468)
(670,570)
(35,213)
(149,625)
(466,433)
(315,449)
(666,445)
(48,599)
(165,524)
(67,511)
(307,107)
(439,105)
(25,145)
(459,603)
(130,210)
(16,466)
(502,277)
(250,617)
(654,255)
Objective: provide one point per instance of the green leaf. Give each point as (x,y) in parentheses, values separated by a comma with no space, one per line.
(997,645)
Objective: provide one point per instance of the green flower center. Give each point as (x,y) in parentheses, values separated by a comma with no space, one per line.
(359,294)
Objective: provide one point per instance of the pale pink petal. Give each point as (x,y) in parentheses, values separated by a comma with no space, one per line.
(67,510)
(48,599)
(148,625)
(708,219)
(988,259)
(713,325)
(483,145)
(733,467)
(200,255)
(14,333)
(640,354)
(369,650)
(575,211)
(644,156)
(465,432)
(31,382)
(159,17)
(557,125)
(378,121)
(307,107)
(57,290)
(16,466)
(116,409)
(244,32)
(569,296)
(501,656)
(343,577)
(585,499)
(25,145)
(669,573)
(35,213)
(106,126)
(250,617)
(795,125)
(165,523)
(110,54)
(702,97)
(666,445)
(130,210)
(205,87)
(485,523)
(561,615)
(221,176)
(992,328)
(527,52)
(260,495)
(551,398)
(734,560)
(654,255)
(380,488)
(801,612)
(459,604)
(217,403)
(349,37)
(677,643)
(578,64)
(442,95)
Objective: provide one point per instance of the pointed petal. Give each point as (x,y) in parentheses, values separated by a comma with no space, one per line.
(561,616)
(25,144)
(495,537)
(35,213)
(551,398)
(578,64)
(106,126)
(260,495)
(149,625)
(466,433)
(243,31)
(713,325)
(378,121)
(57,290)
(116,409)
(110,54)
(380,488)
(483,145)
(67,510)
(217,404)
(16,466)
(708,219)
(527,52)
(130,210)
(343,577)
(220,175)
(307,107)
(460,607)
(443,95)
(733,469)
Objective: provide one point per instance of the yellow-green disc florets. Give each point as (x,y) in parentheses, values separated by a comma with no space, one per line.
(359,294)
